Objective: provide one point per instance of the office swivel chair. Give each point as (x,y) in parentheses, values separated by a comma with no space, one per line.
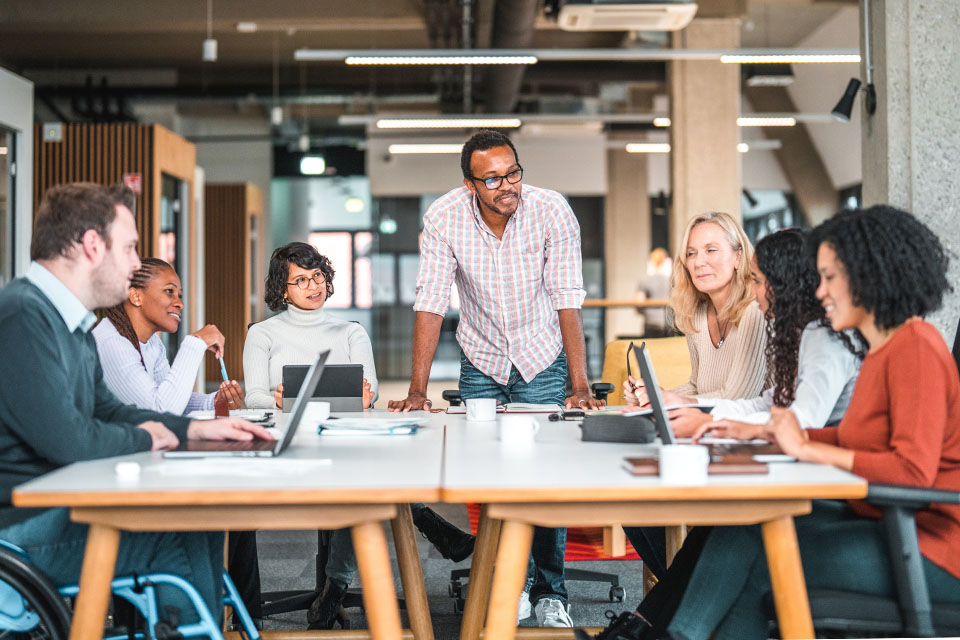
(910,613)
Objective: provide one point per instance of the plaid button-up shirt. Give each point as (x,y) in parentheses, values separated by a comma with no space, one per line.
(510,289)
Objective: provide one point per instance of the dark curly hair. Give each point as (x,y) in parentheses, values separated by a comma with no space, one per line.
(301,254)
(896,266)
(792,282)
(481,141)
(117,314)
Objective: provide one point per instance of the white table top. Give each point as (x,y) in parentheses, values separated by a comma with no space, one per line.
(313,468)
(558,467)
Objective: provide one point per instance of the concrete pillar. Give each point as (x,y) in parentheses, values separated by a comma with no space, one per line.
(911,145)
(626,236)
(704,105)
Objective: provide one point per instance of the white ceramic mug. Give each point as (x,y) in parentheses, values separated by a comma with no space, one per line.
(517,430)
(316,411)
(684,464)
(481,409)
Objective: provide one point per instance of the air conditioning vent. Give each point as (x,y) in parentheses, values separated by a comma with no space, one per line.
(576,16)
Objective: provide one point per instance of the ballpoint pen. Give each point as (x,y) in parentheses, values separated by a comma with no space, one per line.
(223,369)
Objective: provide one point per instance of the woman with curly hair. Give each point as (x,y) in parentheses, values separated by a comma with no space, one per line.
(299,282)
(712,305)
(814,372)
(881,271)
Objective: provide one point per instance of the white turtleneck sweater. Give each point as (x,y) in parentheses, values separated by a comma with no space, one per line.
(296,336)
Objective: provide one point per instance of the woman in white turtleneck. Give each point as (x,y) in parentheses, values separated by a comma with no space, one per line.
(299,282)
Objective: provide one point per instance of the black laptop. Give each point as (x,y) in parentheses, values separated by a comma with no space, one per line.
(341,385)
(257,447)
(665,430)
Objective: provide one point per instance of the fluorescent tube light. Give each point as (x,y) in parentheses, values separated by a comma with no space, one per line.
(403,60)
(766,122)
(648,147)
(247,27)
(425,148)
(3,151)
(779,58)
(449,123)
(661,122)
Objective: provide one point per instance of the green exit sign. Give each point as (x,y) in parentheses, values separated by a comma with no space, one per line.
(53,132)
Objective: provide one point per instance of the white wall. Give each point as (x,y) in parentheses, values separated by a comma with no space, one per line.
(16,113)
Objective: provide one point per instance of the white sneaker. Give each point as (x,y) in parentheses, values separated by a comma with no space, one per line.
(524,610)
(552,613)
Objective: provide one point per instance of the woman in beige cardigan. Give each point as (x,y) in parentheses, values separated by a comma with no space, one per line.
(713,307)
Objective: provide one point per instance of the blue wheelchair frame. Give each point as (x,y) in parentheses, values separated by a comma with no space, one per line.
(17,616)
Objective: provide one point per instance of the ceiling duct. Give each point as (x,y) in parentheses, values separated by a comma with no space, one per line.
(513,28)
(625,15)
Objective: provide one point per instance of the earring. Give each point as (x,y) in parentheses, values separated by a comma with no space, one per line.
(136,304)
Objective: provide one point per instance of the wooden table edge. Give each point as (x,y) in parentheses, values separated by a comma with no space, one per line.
(656,493)
(227,497)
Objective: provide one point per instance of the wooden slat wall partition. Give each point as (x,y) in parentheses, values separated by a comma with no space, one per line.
(228,209)
(100,153)
(103,153)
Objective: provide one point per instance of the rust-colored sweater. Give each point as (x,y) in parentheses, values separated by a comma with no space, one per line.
(903,424)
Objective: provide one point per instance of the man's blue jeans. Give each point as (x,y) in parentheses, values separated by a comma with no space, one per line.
(549,386)
(56,545)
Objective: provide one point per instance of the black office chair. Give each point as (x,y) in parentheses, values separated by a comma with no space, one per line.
(910,613)
(460,577)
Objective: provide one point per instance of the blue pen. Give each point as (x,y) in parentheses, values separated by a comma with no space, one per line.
(223,369)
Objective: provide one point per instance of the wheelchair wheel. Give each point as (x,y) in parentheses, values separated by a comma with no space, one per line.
(39,612)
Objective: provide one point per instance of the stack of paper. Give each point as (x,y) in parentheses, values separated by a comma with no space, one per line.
(371,426)
(515,407)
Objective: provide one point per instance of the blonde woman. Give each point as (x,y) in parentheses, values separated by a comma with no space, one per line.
(713,307)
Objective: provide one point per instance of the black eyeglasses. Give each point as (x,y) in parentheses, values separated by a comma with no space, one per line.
(494,182)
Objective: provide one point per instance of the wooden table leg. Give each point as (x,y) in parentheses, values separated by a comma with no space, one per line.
(379,595)
(411,573)
(481,575)
(513,557)
(674,537)
(99,562)
(786,577)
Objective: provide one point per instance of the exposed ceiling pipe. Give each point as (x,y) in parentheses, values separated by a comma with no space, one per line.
(513,28)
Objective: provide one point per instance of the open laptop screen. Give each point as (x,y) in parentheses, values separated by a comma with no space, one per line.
(664,430)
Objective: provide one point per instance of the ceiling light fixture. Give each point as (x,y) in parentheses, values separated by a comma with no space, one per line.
(445,60)
(434,147)
(247,27)
(845,106)
(3,151)
(313,165)
(647,147)
(532,56)
(210,45)
(780,58)
(448,123)
(661,122)
(754,121)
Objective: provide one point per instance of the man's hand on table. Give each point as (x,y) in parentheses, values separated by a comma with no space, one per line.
(226,429)
(160,436)
(415,401)
(582,399)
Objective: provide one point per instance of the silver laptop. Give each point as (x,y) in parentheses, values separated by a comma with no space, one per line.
(341,385)
(257,447)
(664,428)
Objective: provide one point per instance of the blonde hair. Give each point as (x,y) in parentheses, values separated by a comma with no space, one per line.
(686,300)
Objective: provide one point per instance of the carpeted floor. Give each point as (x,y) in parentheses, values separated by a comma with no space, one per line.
(287,562)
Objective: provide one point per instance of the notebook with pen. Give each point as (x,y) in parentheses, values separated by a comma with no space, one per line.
(257,447)
(371,424)
(514,407)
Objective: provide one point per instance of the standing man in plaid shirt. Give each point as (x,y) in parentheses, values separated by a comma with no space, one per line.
(514,253)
